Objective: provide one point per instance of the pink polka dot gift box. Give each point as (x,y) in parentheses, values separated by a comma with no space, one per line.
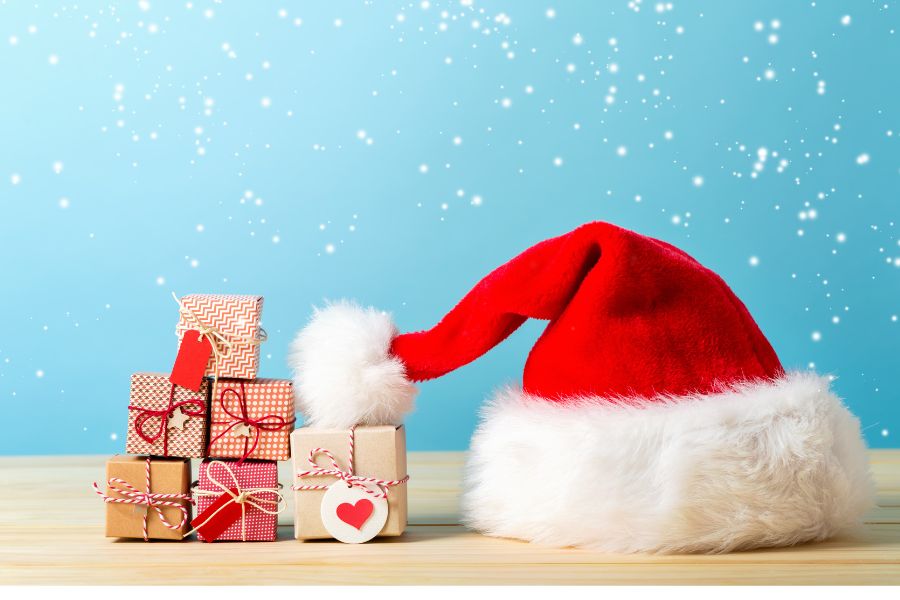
(237,501)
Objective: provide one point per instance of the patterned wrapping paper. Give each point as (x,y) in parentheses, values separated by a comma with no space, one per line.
(150,397)
(251,419)
(252,474)
(237,318)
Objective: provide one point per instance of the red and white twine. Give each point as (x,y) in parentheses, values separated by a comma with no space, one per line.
(240,496)
(346,476)
(128,494)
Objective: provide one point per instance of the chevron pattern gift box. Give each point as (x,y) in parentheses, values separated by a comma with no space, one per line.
(232,323)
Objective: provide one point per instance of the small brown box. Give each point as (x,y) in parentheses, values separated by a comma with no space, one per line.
(379,451)
(167,476)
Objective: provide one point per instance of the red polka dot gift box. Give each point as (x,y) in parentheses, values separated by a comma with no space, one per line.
(237,501)
(251,419)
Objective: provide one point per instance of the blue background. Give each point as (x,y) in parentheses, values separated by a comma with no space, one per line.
(230,147)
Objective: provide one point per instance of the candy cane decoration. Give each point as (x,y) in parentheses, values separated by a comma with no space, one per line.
(347,476)
(128,494)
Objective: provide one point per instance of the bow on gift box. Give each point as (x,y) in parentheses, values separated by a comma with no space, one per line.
(220,344)
(229,497)
(241,419)
(346,476)
(128,494)
(163,430)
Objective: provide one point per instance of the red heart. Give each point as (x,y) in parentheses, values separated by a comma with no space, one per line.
(355,515)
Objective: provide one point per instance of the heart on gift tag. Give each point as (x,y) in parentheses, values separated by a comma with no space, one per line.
(351,514)
(355,514)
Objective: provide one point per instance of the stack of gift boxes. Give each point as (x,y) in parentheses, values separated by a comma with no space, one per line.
(213,407)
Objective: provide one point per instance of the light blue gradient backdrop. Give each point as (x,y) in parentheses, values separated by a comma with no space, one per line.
(155,118)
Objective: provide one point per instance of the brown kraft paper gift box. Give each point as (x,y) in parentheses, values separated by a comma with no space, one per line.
(167,476)
(380,451)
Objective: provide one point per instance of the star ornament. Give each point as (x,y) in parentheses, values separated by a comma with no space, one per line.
(177,419)
(242,430)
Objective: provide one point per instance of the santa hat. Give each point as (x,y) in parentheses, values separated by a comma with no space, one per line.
(653,413)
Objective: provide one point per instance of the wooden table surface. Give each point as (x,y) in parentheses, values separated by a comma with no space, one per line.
(51,531)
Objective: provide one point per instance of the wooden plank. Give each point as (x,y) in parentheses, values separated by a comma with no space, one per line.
(435,554)
(51,532)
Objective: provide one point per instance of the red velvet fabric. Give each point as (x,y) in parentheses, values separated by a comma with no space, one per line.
(630,316)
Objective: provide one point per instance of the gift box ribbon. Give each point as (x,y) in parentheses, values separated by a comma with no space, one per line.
(241,418)
(346,476)
(128,494)
(163,414)
(238,496)
(220,343)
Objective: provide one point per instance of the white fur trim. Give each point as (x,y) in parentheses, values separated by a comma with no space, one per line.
(771,463)
(344,374)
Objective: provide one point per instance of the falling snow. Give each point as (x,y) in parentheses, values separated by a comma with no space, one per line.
(324,150)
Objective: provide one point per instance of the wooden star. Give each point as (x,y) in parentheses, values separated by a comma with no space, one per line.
(242,430)
(177,419)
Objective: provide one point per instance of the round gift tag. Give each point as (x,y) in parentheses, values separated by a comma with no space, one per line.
(351,515)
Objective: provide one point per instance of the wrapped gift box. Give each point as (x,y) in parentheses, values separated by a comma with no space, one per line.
(251,419)
(127,480)
(165,419)
(253,520)
(233,318)
(379,451)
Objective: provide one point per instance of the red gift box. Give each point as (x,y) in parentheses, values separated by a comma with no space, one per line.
(231,324)
(165,419)
(238,501)
(251,419)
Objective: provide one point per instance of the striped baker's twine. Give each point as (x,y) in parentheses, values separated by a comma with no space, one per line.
(241,497)
(128,494)
(346,476)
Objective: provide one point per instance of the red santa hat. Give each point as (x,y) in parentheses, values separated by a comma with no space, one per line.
(653,413)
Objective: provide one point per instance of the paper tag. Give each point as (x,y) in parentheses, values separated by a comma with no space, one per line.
(351,515)
(190,364)
(226,512)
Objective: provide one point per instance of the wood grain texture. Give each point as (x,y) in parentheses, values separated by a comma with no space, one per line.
(51,531)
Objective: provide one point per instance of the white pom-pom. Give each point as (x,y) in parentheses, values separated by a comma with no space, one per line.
(344,374)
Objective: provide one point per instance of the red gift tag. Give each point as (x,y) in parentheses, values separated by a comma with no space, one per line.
(220,515)
(190,364)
